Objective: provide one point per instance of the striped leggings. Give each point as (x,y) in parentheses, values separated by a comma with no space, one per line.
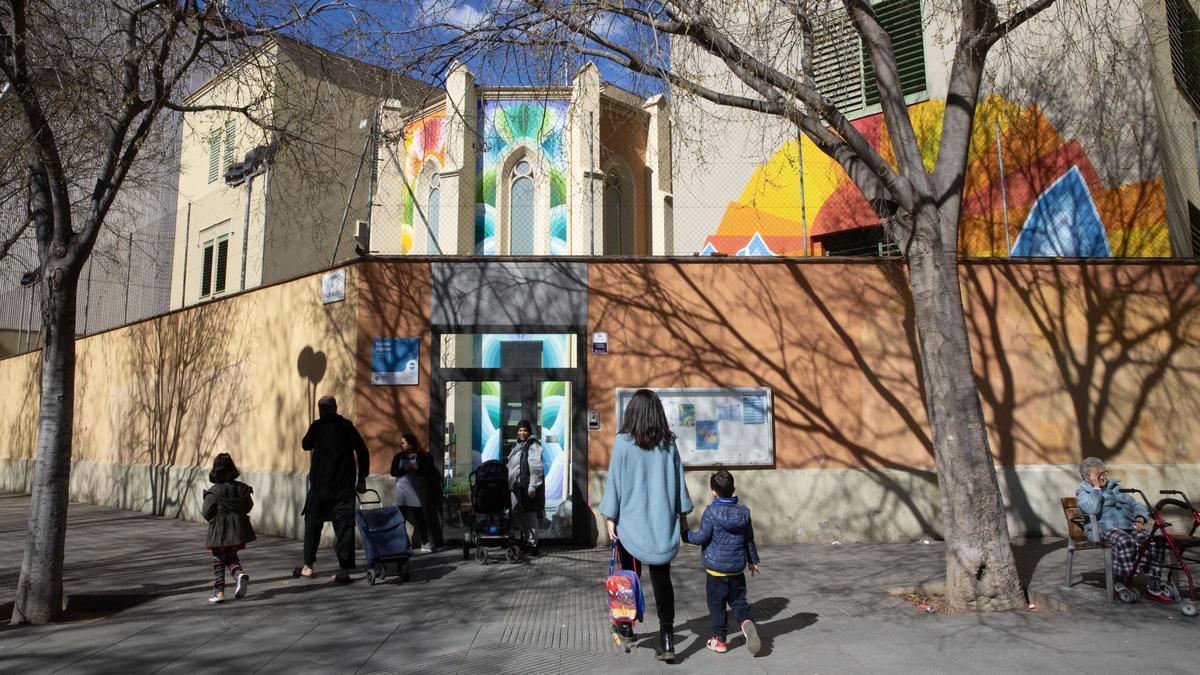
(1125,544)
(222,560)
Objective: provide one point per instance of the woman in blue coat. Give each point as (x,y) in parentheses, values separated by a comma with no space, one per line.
(644,500)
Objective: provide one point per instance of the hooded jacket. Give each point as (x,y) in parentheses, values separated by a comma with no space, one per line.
(1113,509)
(227,508)
(727,536)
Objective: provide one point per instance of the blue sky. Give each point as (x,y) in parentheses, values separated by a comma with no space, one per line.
(397,34)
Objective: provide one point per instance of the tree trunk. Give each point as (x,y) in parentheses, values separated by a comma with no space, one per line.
(40,589)
(981,573)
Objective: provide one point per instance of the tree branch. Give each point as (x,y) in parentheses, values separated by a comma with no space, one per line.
(1014,21)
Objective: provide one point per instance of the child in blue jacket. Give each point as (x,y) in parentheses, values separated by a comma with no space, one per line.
(727,537)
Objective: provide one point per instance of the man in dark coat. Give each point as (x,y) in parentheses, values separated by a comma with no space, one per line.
(337,470)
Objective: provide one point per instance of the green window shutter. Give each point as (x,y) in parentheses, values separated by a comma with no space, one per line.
(230,134)
(842,67)
(214,155)
(837,67)
(1183,30)
(902,20)
(206,271)
(222,265)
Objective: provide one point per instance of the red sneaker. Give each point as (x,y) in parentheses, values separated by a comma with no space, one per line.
(717,645)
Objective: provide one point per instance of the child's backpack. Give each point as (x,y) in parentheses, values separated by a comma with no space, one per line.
(625,601)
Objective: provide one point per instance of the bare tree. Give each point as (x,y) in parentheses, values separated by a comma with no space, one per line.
(760,56)
(122,63)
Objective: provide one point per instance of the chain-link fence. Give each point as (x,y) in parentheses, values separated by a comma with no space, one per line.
(127,279)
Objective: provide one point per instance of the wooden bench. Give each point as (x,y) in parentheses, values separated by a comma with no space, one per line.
(1077,540)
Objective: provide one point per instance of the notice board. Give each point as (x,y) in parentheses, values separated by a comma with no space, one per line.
(717,426)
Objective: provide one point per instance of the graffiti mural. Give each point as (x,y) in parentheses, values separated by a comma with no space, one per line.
(1057,204)
(539,126)
(424,139)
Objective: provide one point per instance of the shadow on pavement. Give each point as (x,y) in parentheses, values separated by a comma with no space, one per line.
(770,615)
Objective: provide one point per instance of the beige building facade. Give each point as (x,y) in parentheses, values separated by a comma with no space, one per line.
(268,176)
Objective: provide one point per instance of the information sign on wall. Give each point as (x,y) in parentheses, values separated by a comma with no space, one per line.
(395,360)
(333,286)
(717,426)
(599,343)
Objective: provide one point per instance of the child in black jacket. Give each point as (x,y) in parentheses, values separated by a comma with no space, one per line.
(727,537)
(227,507)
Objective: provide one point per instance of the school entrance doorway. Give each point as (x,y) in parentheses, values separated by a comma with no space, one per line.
(483,385)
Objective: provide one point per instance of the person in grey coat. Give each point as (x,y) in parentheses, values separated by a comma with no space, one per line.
(526,477)
(227,507)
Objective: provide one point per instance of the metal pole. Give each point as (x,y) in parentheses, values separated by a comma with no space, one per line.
(29,320)
(800,170)
(21,321)
(416,205)
(246,227)
(187,244)
(372,177)
(346,212)
(1003,192)
(262,249)
(87,296)
(128,277)
(592,181)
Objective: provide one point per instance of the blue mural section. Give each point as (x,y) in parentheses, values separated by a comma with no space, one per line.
(1064,222)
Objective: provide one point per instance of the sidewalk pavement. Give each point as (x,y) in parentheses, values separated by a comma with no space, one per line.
(139,587)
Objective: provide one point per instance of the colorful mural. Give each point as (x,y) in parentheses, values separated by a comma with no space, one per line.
(540,126)
(1051,188)
(424,139)
(486,420)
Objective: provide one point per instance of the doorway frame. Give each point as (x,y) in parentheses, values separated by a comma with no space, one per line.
(582,528)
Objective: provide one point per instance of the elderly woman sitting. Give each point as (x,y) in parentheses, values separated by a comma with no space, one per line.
(1122,521)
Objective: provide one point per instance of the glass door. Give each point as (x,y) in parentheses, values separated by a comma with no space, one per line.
(484,385)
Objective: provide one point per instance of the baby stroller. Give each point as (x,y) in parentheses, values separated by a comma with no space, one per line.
(1177,544)
(385,539)
(489,522)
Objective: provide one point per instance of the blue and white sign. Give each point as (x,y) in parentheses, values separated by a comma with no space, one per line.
(395,360)
(333,286)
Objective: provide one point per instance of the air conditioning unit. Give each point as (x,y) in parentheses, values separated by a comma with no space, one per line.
(362,237)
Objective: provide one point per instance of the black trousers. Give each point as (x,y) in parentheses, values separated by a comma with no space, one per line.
(431,508)
(722,591)
(415,515)
(660,581)
(338,507)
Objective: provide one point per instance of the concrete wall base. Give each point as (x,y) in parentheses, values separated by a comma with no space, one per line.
(789,505)
(177,492)
(856,505)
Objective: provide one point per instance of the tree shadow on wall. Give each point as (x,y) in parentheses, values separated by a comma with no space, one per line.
(1124,344)
(186,393)
(397,303)
(847,379)
(22,435)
